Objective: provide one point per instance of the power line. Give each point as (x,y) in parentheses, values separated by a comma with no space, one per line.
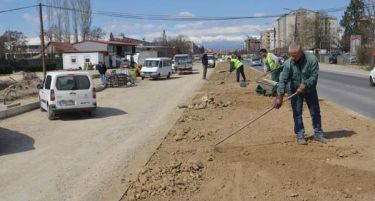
(20,8)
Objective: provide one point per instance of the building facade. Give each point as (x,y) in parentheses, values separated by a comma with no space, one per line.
(252,45)
(312,29)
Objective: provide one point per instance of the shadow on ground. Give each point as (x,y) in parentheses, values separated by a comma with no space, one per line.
(12,142)
(101,113)
(339,134)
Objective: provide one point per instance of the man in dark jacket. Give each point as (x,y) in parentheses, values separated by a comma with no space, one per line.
(301,70)
(102,68)
(205,65)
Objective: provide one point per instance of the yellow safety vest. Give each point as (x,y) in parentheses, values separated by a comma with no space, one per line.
(237,63)
(271,63)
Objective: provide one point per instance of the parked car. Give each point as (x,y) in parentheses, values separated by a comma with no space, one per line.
(183,63)
(256,61)
(156,68)
(372,78)
(67,92)
(211,60)
(333,58)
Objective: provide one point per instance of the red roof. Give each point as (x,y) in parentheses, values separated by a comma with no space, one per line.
(63,47)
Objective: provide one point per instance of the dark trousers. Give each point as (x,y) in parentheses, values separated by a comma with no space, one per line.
(312,101)
(238,72)
(204,71)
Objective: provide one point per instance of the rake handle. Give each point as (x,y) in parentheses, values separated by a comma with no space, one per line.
(252,121)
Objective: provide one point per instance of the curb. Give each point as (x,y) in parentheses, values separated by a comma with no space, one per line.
(19,110)
(14,111)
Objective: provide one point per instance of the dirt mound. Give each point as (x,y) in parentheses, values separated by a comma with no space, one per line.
(27,87)
(263,161)
(166,180)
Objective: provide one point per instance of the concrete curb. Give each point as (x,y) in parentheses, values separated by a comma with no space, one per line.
(19,110)
(11,112)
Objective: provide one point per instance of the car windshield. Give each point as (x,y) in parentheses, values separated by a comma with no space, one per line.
(151,63)
(255,59)
(182,60)
(72,82)
(210,57)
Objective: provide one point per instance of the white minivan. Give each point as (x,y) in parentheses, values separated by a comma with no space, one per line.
(157,68)
(64,91)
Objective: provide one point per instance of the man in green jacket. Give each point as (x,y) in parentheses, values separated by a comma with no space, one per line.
(301,70)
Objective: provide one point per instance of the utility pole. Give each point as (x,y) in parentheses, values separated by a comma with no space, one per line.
(42,39)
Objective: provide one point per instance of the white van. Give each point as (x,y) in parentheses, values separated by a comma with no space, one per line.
(211,60)
(157,68)
(183,63)
(67,92)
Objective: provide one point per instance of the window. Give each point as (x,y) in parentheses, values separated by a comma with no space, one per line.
(72,82)
(47,83)
(73,59)
(151,63)
(167,63)
(87,59)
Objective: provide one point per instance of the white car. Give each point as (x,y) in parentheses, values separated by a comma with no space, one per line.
(67,92)
(211,60)
(372,78)
(157,68)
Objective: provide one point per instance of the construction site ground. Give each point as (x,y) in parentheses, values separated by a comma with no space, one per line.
(263,161)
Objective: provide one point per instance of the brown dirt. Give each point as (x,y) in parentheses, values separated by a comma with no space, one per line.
(263,162)
(25,87)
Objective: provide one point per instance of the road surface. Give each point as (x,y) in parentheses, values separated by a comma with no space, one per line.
(348,89)
(77,158)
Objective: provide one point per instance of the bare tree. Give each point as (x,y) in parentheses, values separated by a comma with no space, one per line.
(14,42)
(181,44)
(59,19)
(85,17)
(75,18)
(66,21)
(96,33)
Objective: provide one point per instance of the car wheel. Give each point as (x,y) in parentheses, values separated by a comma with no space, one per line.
(169,75)
(51,114)
(92,113)
(371,81)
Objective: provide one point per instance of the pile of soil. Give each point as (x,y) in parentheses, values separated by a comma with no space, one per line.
(26,87)
(262,162)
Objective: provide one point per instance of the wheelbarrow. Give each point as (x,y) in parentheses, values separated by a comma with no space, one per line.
(268,86)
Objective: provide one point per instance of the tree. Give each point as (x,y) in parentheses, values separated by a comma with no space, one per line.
(75,18)
(2,47)
(85,17)
(351,22)
(96,33)
(181,44)
(14,43)
(67,21)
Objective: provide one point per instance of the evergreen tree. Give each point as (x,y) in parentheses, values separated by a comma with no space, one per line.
(351,22)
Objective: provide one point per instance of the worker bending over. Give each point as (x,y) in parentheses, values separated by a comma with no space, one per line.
(301,70)
(271,63)
(238,65)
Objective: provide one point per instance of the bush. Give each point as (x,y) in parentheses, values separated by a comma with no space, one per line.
(364,56)
(28,66)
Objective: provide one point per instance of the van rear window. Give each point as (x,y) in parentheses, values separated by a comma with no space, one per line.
(72,82)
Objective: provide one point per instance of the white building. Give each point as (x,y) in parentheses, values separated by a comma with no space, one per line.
(80,60)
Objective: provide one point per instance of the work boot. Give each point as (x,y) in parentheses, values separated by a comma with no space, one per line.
(301,141)
(321,139)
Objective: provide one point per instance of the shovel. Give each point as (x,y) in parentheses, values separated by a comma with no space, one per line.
(217,148)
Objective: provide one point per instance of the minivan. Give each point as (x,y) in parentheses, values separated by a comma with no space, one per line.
(157,68)
(183,63)
(67,92)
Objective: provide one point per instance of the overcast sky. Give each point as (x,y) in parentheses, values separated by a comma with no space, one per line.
(226,33)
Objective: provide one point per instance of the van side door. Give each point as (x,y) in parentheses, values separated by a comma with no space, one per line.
(45,92)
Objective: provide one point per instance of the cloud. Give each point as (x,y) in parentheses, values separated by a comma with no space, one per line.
(30,18)
(259,14)
(186,14)
(131,28)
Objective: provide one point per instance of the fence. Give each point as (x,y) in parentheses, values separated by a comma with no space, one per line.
(29,65)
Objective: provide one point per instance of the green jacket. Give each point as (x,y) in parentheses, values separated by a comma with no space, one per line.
(304,71)
(235,64)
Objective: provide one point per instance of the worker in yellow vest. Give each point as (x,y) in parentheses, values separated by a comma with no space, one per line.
(271,63)
(238,65)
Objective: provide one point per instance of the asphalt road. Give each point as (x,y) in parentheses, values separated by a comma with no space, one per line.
(347,89)
(77,158)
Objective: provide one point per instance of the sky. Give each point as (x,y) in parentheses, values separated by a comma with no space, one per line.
(226,34)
